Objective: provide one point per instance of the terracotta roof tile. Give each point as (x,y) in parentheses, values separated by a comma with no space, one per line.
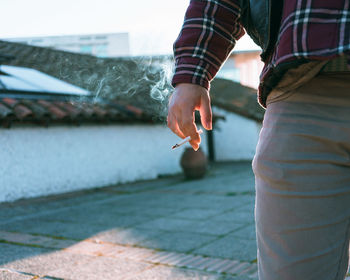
(5,112)
(10,102)
(22,112)
(45,112)
(135,110)
(38,110)
(89,112)
(100,111)
(19,110)
(74,112)
(55,111)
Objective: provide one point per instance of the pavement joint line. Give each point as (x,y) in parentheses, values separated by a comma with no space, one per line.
(239,268)
(194,262)
(210,266)
(14,271)
(49,212)
(177,261)
(227,266)
(203,265)
(174,258)
(166,257)
(55,211)
(169,258)
(250,269)
(217,266)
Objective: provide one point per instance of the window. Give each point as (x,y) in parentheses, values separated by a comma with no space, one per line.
(101,50)
(85,38)
(86,49)
(101,37)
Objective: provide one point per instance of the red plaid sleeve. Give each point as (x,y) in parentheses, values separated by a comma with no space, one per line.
(209,33)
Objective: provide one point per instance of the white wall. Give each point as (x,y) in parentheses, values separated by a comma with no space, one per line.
(41,161)
(236,137)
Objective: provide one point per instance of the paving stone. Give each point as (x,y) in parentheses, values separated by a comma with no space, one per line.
(78,199)
(178,259)
(100,268)
(218,203)
(11,253)
(74,230)
(246,233)
(43,264)
(251,270)
(236,216)
(212,227)
(196,214)
(31,240)
(233,184)
(57,229)
(179,201)
(6,275)
(131,236)
(167,224)
(177,241)
(163,272)
(248,200)
(77,266)
(97,216)
(89,248)
(159,183)
(249,207)
(230,247)
(156,211)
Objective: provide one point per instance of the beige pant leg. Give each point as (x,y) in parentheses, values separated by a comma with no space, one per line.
(302,169)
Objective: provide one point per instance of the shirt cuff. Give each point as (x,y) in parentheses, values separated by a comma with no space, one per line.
(193,71)
(189,79)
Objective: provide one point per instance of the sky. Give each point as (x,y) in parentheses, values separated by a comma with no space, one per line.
(153,25)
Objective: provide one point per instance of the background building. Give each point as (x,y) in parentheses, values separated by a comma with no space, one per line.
(243,67)
(101,45)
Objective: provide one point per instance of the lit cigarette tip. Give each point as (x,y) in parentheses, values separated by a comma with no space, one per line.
(184,141)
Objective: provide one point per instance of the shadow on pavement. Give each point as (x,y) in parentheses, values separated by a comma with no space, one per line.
(207,220)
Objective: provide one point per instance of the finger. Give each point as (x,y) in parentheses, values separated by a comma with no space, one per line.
(205,112)
(173,125)
(189,128)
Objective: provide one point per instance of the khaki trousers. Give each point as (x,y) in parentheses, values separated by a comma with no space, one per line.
(302,171)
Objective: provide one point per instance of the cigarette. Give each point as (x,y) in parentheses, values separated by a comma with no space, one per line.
(187,139)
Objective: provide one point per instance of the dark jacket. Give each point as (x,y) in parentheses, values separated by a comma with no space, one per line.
(261,19)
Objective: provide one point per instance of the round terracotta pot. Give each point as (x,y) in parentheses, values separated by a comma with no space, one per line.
(194,163)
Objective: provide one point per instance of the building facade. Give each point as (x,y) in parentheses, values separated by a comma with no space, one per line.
(101,45)
(243,67)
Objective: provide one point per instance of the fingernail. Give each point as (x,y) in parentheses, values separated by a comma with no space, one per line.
(209,126)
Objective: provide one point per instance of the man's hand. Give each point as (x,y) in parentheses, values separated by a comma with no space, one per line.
(186,99)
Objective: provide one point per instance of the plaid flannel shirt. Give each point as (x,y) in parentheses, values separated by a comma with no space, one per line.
(310,30)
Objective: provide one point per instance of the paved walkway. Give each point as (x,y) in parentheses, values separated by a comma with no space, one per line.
(162,229)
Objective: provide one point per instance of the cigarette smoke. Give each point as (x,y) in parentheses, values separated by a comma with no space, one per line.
(139,81)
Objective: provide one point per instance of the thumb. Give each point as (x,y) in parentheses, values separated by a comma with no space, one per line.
(205,112)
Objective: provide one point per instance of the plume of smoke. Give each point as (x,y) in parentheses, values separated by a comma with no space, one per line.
(140,81)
